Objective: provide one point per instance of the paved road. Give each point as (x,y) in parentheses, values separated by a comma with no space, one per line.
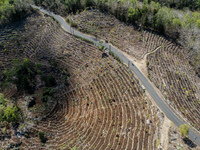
(167,111)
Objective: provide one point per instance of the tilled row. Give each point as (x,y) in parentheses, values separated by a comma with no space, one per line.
(172,74)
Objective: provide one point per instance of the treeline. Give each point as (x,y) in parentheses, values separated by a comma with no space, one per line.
(193,5)
(11,10)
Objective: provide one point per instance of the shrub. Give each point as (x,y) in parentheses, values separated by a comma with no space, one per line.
(73,24)
(49,92)
(147,63)
(22,74)
(67,19)
(184,129)
(3,101)
(41,136)
(11,114)
(50,81)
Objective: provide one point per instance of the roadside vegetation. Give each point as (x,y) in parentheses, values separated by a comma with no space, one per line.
(184,130)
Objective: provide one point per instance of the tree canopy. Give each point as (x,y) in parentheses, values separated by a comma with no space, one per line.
(12,10)
(7,113)
(184,129)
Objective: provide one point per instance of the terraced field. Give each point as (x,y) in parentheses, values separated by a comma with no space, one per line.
(98,104)
(168,67)
(170,71)
(130,39)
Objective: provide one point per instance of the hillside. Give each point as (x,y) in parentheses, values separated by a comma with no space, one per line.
(61,91)
(168,65)
(181,26)
(96,101)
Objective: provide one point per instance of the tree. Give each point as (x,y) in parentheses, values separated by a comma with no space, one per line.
(198,23)
(3,101)
(133,14)
(184,129)
(2,113)
(41,136)
(11,113)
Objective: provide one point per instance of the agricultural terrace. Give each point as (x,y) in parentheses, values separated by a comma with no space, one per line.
(97,104)
(168,65)
(128,38)
(170,71)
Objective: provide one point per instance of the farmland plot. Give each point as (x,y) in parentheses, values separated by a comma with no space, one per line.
(98,103)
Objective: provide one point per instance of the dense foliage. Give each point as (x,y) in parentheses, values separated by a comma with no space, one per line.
(181,4)
(41,136)
(11,10)
(8,113)
(23,74)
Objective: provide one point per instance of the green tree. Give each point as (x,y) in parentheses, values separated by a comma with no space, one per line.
(11,113)
(184,130)
(3,101)
(198,4)
(41,136)
(198,23)
(2,113)
(133,14)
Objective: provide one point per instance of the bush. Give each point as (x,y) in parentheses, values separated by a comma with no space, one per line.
(41,136)
(50,81)
(184,129)
(22,74)
(49,92)
(3,101)
(7,112)
(73,24)
(11,114)
(147,63)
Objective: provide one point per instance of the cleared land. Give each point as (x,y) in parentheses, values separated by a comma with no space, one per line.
(131,39)
(170,71)
(168,67)
(98,103)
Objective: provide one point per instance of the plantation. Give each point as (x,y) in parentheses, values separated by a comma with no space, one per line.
(84,97)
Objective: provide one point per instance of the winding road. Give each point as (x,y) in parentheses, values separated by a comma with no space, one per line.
(160,103)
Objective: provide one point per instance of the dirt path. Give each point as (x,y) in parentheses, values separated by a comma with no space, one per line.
(164,139)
